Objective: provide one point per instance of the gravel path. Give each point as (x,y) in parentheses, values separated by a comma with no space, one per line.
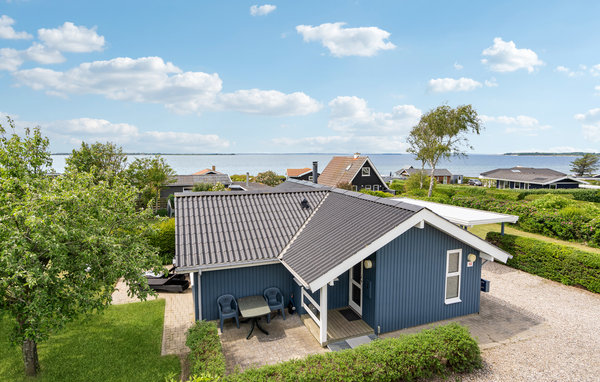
(564,347)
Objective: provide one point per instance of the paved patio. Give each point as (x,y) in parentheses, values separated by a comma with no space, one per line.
(286,340)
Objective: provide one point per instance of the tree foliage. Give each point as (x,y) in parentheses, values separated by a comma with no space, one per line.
(104,161)
(344,186)
(415,182)
(586,165)
(270,178)
(66,241)
(149,176)
(442,133)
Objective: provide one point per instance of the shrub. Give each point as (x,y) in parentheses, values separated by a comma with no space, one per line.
(397,186)
(201,187)
(415,181)
(270,178)
(161,212)
(431,352)
(381,194)
(206,356)
(552,261)
(163,238)
(550,201)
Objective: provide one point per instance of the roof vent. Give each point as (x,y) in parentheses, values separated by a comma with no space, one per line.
(304,204)
(348,167)
(515,170)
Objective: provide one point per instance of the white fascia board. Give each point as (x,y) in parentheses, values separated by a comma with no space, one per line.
(367,251)
(297,277)
(430,218)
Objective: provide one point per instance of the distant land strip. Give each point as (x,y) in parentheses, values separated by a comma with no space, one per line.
(572,154)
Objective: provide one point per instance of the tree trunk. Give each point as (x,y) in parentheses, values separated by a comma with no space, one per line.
(30,358)
(431,180)
(421,175)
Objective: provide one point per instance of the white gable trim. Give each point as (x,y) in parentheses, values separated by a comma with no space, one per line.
(376,172)
(423,215)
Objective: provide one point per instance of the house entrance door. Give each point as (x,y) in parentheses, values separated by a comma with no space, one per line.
(356,288)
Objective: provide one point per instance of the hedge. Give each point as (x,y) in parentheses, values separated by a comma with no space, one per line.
(552,261)
(164,240)
(433,352)
(206,356)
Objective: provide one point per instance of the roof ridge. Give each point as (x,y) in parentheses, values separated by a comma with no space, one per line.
(377,199)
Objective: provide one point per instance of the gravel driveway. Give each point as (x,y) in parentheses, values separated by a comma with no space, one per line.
(565,346)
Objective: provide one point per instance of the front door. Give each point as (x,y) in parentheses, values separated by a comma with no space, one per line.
(356,287)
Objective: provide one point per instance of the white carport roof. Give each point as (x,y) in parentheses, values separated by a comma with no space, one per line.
(461,215)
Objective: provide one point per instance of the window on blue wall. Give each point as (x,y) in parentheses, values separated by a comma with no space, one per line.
(453,268)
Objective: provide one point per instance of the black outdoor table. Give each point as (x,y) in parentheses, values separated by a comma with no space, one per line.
(252,308)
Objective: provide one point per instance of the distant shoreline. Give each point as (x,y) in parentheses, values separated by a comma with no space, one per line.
(573,154)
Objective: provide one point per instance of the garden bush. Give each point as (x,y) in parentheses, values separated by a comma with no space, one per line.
(381,194)
(206,355)
(163,238)
(432,352)
(552,261)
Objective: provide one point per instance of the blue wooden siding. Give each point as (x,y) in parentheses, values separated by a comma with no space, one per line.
(369,292)
(337,295)
(242,282)
(410,280)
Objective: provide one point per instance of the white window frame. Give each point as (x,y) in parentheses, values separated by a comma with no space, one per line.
(365,171)
(368,187)
(354,188)
(453,300)
(375,187)
(310,177)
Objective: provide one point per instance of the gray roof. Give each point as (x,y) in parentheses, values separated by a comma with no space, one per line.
(217,228)
(190,180)
(343,224)
(437,172)
(525,174)
(299,185)
(254,186)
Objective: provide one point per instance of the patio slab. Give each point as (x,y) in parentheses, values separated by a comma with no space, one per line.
(287,339)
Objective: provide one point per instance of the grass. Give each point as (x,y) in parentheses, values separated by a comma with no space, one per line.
(122,344)
(482,230)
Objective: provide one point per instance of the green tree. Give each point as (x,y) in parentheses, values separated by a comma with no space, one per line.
(586,165)
(442,133)
(150,176)
(270,178)
(104,161)
(415,182)
(65,242)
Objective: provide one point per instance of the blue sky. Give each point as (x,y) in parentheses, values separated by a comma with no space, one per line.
(302,76)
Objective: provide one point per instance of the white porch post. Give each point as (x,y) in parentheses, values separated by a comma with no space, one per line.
(323,313)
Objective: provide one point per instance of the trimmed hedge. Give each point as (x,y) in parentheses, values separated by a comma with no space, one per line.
(432,352)
(164,240)
(552,261)
(206,355)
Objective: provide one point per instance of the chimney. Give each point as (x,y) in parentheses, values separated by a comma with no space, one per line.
(315,171)
(247,179)
(213,167)
(356,155)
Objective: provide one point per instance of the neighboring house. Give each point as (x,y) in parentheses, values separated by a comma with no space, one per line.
(529,178)
(300,173)
(396,265)
(441,175)
(181,183)
(356,170)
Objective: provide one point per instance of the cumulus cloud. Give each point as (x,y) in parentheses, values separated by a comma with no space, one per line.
(590,124)
(7,31)
(72,38)
(269,102)
(152,80)
(262,10)
(520,124)
(12,59)
(352,114)
(504,56)
(442,85)
(341,41)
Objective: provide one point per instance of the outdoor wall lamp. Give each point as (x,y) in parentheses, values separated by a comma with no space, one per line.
(368,264)
(471,257)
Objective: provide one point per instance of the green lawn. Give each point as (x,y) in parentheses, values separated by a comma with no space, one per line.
(482,230)
(122,344)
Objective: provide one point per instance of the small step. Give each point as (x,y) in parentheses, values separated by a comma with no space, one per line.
(351,343)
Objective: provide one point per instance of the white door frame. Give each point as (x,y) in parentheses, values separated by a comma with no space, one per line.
(351,303)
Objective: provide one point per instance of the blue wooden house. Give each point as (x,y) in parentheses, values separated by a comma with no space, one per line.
(394,264)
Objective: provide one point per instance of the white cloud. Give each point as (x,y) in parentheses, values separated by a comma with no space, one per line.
(491,83)
(569,72)
(590,124)
(147,79)
(269,102)
(151,80)
(441,85)
(262,10)
(457,66)
(7,31)
(352,114)
(504,56)
(10,59)
(595,70)
(520,124)
(72,38)
(363,41)
(597,88)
